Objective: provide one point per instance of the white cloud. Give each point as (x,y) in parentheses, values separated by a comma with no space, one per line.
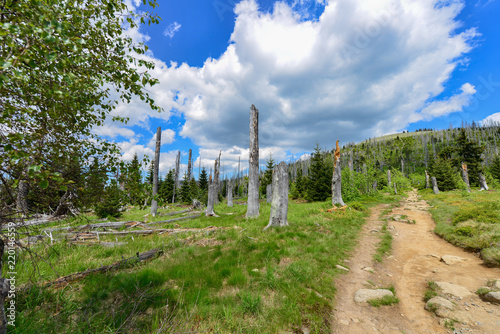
(171,30)
(491,119)
(111,130)
(167,137)
(362,69)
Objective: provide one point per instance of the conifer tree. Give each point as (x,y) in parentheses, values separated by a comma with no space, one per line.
(185,191)
(495,168)
(195,191)
(318,180)
(203,182)
(165,191)
(469,152)
(444,173)
(133,181)
(268,175)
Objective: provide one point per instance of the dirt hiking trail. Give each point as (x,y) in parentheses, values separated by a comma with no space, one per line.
(415,260)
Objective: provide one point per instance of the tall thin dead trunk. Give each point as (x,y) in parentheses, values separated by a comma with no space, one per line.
(465,176)
(230,194)
(176,176)
(337,178)
(212,192)
(22,194)
(216,178)
(253,168)
(389,182)
(427,180)
(434,185)
(190,165)
(156,164)
(279,205)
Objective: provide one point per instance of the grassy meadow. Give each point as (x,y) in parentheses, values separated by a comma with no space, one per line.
(469,220)
(234,279)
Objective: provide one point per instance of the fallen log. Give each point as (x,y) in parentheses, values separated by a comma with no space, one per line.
(175,213)
(117,265)
(173,220)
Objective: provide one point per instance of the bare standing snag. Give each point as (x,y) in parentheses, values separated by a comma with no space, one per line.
(253,168)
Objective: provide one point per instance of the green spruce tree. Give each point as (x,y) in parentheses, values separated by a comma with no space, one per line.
(445,174)
(203,181)
(165,191)
(267,178)
(185,191)
(318,182)
(495,168)
(469,152)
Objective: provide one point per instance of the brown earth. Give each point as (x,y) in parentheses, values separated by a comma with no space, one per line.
(415,260)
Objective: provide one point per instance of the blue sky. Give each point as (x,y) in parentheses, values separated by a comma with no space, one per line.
(317,70)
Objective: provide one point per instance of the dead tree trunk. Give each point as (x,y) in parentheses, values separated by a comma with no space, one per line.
(216,179)
(389,183)
(279,205)
(4,291)
(253,168)
(190,165)
(269,192)
(337,179)
(230,194)
(212,192)
(427,180)
(66,202)
(156,164)
(465,177)
(434,185)
(375,185)
(351,165)
(176,178)
(395,189)
(482,182)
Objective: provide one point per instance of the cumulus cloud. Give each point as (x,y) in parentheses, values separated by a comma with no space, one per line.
(171,30)
(167,137)
(491,119)
(360,70)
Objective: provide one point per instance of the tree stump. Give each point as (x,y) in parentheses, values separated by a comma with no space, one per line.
(482,182)
(253,168)
(337,179)
(230,195)
(279,205)
(269,192)
(434,185)
(389,183)
(212,192)
(427,180)
(395,189)
(465,176)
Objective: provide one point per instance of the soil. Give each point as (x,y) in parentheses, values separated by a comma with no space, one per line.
(415,260)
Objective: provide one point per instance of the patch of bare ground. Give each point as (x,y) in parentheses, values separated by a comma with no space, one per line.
(415,261)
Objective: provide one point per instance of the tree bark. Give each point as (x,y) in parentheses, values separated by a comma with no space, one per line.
(465,176)
(216,179)
(337,179)
(66,201)
(375,184)
(253,168)
(434,185)
(389,183)
(279,205)
(395,189)
(190,165)
(230,194)
(269,192)
(212,192)
(176,178)
(22,194)
(154,203)
(427,180)
(482,182)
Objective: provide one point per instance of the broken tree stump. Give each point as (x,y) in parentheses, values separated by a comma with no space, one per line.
(212,192)
(482,182)
(434,185)
(229,195)
(465,177)
(337,179)
(279,205)
(156,164)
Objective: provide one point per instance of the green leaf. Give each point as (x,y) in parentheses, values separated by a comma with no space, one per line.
(44,184)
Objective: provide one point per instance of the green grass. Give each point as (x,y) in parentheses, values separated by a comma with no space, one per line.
(432,291)
(238,279)
(384,247)
(384,301)
(470,221)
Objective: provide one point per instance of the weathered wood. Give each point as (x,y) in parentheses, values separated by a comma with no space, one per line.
(216,179)
(175,213)
(196,204)
(66,201)
(279,205)
(395,189)
(337,178)
(156,164)
(120,264)
(176,175)
(389,182)
(269,192)
(173,220)
(465,177)
(22,194)
(434,185)
(253,168)
(190,165)
(212,192)
(427,180)
(230,194)
(375,185)
(44,219)
(482,182)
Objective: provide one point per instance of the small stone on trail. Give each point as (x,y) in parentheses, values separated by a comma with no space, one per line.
(496,284)
(364,295)
(369,269)
(338,266)
(493,297)
(344,322)
(451,259)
